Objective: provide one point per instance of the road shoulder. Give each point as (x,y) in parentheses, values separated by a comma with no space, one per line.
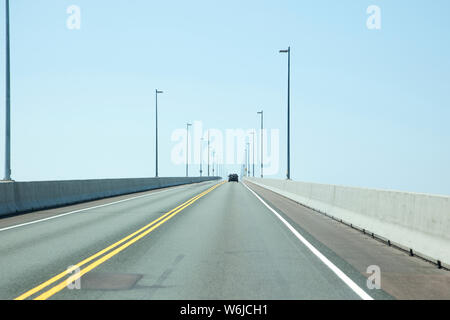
(402,276)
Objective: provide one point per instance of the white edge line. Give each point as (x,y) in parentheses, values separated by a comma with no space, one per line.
(90,208)
(349,282)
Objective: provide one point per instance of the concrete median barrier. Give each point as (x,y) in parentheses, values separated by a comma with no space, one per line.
(418,222)
(19,197)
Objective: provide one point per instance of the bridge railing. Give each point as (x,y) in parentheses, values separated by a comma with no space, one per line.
(19,197)
(419,223)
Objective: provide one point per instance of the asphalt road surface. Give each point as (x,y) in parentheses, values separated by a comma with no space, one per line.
(202,241)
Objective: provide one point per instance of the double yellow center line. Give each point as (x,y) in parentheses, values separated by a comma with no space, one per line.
(111,251)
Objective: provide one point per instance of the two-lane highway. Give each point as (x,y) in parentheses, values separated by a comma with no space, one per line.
(202,241)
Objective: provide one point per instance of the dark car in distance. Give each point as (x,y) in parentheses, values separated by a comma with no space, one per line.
(233,178)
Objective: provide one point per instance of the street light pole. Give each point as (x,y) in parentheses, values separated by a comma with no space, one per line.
(213,158)
(253,143)
(156,135)
(208,153)
(245,161)
(262,133)
(288,172)
(8,100)
(201,157)
(248,159)
(187,148)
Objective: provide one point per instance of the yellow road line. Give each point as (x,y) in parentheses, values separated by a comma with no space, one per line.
(156,223)
(79,265)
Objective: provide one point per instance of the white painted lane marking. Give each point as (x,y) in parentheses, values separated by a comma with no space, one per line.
(90,208)
(349,282)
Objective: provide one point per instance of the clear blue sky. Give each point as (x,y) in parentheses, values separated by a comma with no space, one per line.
(370,108)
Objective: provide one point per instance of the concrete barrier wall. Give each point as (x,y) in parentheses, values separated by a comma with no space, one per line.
(17,197)
(420,222)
